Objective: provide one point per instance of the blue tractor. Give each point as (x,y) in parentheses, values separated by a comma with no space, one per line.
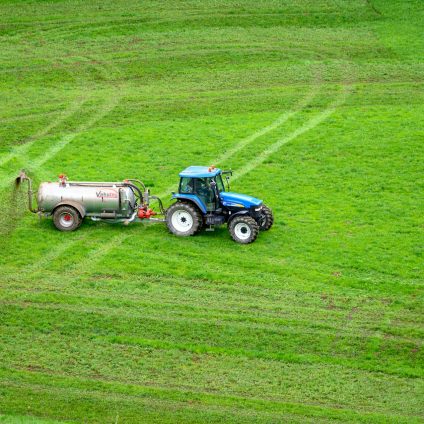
(202,201)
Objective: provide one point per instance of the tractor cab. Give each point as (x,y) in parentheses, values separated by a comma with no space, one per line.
(203,186)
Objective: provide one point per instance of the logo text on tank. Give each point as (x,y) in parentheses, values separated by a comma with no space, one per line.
(107,193)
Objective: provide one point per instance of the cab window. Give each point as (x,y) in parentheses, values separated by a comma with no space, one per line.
(186,185)
(220,183)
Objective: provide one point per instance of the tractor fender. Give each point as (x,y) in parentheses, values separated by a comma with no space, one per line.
(80,208)
(233,215)
(193,199)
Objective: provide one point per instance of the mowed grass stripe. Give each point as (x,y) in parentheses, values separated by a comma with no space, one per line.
(285,344)
(274,306)
(146,410)
(353,322)
(229,374)
(116,391)
(338,349)
(267,292)
(275,292)
(285,319)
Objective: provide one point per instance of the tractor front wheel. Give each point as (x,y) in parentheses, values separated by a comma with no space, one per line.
(243,229)
(183,219)
(267,218)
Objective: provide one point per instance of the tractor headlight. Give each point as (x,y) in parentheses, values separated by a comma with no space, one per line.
(258,209)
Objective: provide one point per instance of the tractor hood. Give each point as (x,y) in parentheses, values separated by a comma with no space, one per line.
(241,200)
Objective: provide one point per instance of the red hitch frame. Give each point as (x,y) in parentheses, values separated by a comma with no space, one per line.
(145,213)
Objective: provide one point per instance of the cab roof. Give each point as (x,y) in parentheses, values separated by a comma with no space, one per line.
(200,172)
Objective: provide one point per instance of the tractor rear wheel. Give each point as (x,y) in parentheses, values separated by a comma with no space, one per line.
(183,219)
(267,218)
(66,218)
(243,229)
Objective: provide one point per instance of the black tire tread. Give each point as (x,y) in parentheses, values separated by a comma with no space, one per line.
(269,218)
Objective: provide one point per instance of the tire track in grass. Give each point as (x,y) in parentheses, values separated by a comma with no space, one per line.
(107,107)
(312,123)
(309,125)
(21,150)
(85,266)
(57,147)
(81,267)
(274,125)
(6,120)
(53,254)
(265,130)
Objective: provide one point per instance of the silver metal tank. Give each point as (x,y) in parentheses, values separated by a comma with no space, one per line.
(95,198)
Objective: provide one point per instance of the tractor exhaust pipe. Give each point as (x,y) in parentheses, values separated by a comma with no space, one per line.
(18,181)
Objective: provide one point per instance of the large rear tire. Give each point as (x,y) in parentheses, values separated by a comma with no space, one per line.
(243,229)
(183,219)
(267,218)
(66,218)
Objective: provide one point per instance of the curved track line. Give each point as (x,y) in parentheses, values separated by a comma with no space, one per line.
(6,120)
(52,254)
(102,112)
(84,266)
(251,138)
(278,122)
(65,140)
(312,123)
(22,149)
(57,147)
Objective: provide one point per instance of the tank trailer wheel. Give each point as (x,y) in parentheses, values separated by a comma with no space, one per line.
(243,229)
(66,218)
(183,219)
(267,218)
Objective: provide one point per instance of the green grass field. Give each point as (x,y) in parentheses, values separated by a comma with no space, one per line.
(317,105)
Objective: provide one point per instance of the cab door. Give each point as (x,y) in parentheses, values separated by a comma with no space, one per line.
(205,193)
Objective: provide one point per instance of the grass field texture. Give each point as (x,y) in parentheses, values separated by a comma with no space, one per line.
(317,105)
